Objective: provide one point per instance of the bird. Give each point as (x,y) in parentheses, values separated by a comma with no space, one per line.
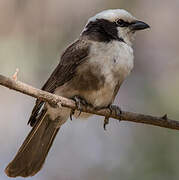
(90,71)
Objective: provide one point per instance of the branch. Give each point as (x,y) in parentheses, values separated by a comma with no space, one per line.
(54,99)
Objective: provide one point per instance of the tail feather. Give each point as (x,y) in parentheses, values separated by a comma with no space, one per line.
(32,154)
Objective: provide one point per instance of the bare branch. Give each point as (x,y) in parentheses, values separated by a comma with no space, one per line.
(54,99)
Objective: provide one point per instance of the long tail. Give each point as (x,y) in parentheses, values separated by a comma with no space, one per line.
(32,154)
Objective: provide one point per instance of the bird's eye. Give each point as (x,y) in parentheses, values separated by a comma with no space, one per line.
(121,23)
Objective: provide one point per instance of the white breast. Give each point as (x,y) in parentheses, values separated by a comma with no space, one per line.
(114,56)
(115,61)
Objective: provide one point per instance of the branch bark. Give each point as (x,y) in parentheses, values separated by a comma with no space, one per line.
(54,99)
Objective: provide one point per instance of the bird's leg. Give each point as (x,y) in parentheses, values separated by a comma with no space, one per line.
(106,119)
(112,108)
(79,102)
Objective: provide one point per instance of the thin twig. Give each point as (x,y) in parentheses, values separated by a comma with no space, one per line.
(54,99)
(14,77)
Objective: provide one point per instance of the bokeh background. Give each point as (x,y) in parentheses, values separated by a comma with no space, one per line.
(33,34)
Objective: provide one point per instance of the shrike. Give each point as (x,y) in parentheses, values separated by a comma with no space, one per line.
(91,70)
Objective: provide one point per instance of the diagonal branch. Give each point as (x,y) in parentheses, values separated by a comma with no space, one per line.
(54,99)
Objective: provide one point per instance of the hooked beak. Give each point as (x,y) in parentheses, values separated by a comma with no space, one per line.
(139,25)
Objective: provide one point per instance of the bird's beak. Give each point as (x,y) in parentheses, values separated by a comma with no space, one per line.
(139,25)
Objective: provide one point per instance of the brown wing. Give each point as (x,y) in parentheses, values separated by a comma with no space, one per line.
(74,55)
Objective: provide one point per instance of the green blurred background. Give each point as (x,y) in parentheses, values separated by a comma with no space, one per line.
(33,34)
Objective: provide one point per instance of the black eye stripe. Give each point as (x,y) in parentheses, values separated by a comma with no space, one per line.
(122,23)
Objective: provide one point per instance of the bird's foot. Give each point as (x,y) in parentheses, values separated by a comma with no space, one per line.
(112,108)
(79,103)
(116,109)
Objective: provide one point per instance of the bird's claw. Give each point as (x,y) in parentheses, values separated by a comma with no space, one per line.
(112,108)
(71,114)
(106,121)
(79,103)
(116,109)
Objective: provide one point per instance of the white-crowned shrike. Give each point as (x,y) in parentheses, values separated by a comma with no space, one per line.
(90,70)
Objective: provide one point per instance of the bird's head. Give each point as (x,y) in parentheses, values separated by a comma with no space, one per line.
(114,24)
